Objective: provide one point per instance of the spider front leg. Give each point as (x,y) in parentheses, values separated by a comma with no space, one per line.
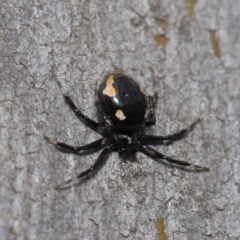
(157,155)
(85,149)
(154,140)
(101,159)
(86,120)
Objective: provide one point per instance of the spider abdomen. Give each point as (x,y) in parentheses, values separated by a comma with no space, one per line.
(123,101)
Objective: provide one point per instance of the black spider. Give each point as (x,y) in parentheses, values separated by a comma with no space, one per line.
(125,110)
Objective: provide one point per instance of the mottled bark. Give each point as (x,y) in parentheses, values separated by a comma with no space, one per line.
(189,54)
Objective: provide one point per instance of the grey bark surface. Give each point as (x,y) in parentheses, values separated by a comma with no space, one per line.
(82,41)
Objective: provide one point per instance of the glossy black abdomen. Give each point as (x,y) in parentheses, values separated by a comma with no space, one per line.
(122,101)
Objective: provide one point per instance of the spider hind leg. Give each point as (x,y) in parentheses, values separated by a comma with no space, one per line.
(83,118)
(152,100)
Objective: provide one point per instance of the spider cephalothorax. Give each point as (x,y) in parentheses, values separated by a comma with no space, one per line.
(126,111)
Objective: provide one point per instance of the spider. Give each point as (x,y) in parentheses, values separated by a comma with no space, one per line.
(126,111)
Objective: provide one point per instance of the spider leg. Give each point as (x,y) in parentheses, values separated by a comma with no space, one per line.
(157,155)
(85,119)
(153,140)
(85,149)
(152,100)
(104,116)
(155,98)
(100,160)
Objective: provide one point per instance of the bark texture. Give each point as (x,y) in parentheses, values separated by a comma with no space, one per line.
(189,53)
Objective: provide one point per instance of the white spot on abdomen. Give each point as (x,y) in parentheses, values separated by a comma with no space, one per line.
(109,90)
(120,115)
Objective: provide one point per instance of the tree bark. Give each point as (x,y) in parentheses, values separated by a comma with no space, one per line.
(187,51)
